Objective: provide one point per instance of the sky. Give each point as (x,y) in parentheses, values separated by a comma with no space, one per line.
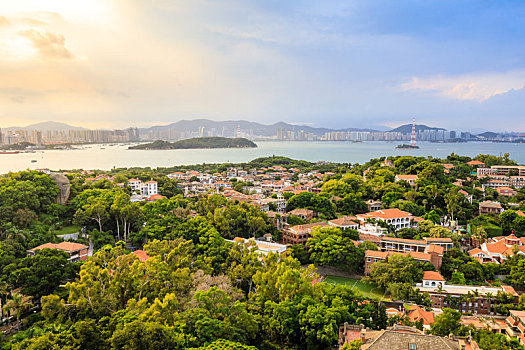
(338,64)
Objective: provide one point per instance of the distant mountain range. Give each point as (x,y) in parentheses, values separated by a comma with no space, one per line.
(231,126)
(407,128)
(46,126)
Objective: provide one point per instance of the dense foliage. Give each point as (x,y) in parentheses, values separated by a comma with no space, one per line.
(199,142)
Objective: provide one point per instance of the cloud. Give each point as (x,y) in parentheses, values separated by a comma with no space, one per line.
(477,87)
(48,45)
(4,21)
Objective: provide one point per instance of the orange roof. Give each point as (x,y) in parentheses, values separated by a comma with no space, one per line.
(498,247)
(416,313)
(407,177)
(475,162)
(155,197)
(404,240)
(386,214)
(433,276)
(438,239)
(510,290)
(420,256)
(306,227)
(376,254)
(65,246)
(432,248)
(141,255)
(344,221)
(370,238)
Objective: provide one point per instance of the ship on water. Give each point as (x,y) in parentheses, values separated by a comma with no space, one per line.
(412,144)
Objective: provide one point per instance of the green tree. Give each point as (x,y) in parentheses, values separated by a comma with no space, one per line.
(448,322)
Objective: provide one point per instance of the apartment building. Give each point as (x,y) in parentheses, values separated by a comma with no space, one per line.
(397,218)
(474,299)
(503,176)
(299,234)
(515,323)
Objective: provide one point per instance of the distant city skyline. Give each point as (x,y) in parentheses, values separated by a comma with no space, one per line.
(334,64)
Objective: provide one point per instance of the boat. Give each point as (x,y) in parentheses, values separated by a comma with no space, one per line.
(9,152)
(33,160)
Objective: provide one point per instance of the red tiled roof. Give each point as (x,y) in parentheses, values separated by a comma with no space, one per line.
(344,221)
(433,276)
(65,246)
(376,254)
(385,214)
(141,255)
(416,313)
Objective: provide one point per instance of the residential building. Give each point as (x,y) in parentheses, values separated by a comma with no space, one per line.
(497,249)
(411,179)
(373,256)
(414,245)
(76,251)
(397,218)
(305,214)
(516,325)
(345,222)
(299,234)
(373,205)
(490,207)
(402,338)
(474,299)
(415,313)
(505,191)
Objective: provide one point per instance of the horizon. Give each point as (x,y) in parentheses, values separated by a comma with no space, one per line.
(336,65)
(381,128)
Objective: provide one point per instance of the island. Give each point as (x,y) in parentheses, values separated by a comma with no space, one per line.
(197,142)
(406,146)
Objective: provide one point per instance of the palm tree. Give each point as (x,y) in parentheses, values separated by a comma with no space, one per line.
(4,290)
(17,304)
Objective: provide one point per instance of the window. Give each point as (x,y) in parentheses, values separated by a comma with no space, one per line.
(412,346)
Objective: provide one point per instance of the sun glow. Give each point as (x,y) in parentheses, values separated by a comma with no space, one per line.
(74,10)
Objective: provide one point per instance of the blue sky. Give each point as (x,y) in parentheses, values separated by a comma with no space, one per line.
(455,64)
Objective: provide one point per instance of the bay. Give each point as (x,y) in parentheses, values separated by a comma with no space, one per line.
(105,157)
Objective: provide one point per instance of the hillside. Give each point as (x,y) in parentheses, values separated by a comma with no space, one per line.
(47,126)
(199,142)
(229,127)
(407,128)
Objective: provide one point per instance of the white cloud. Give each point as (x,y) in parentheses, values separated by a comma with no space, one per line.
(479,87)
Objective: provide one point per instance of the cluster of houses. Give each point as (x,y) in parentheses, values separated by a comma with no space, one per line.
(265,181)
(264,188)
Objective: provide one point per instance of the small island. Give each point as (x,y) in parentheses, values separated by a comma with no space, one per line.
(198,142)
(405,146)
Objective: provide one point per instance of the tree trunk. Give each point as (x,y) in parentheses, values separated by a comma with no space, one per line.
(118,229)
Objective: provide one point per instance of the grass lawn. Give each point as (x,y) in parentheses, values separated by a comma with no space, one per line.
(365,288)
(67,230)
